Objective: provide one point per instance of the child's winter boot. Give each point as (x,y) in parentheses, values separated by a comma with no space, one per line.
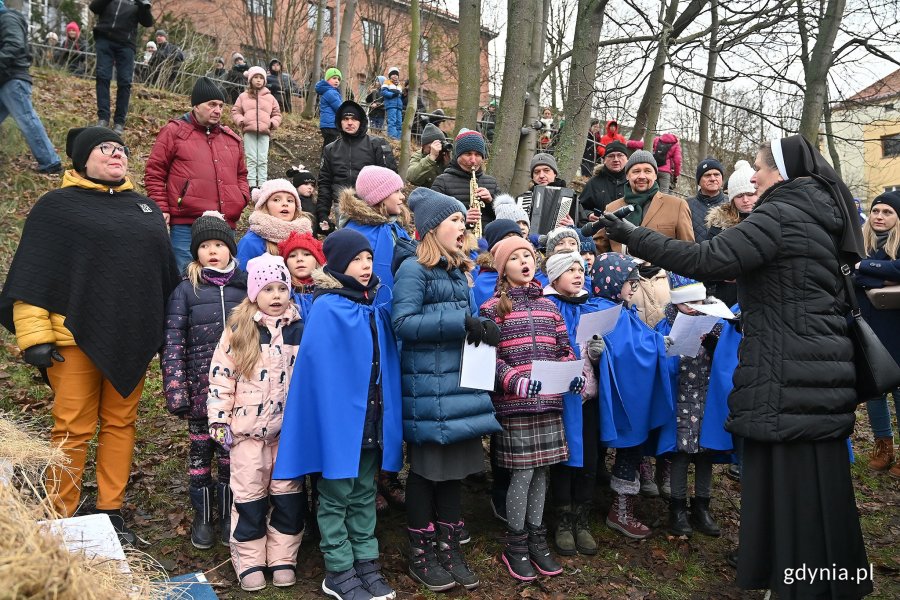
(702,518)
(423,561)
(678,517)
(202,534)
(224,500)
(515,556)
(450,555)
(564,537)
(584,541)
(539,551)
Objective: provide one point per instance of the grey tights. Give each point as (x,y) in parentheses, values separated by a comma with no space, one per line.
(525,498)
(703,464)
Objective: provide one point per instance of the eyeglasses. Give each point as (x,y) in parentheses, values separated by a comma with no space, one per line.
(108,149)
(634,285)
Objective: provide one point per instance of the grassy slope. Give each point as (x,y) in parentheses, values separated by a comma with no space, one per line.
(157,498)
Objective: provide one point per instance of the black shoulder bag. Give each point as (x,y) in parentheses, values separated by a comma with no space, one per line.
(876,370)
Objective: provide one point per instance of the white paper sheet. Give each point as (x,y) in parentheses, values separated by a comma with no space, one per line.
(556,376)
(92,534)
(479,367)
(597,323)
(687,331)
(716,309)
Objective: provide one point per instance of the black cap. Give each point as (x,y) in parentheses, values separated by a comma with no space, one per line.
(211,227)
(80,141)
(616,146)
(342,246)
(205,89)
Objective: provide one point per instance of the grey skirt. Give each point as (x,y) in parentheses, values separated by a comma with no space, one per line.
(437,462)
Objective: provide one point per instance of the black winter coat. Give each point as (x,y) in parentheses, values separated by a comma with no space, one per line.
(600,190)
(454,182)
(118,20)
(874,271)
(795,378)
(344,158)
(700,206)
(15,55)
(283,88)
(195,320)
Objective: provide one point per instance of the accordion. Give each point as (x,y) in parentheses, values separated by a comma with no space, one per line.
(546,206)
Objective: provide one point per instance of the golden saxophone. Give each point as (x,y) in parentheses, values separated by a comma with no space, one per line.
(475,202)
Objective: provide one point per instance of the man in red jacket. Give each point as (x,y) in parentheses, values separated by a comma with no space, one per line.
(197,164)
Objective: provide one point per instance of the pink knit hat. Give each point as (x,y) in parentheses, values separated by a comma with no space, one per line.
(262,194)
(263,270)
(249,73)
(503,249)
(375,184)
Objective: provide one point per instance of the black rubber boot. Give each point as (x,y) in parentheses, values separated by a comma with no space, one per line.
(202,534)
(678,518)
(224,500)
(450,555)
(702,519)
(423,561)
(516,557)
(539,551)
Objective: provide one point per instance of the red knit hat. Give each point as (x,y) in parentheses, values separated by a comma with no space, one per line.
(302,241)
(73,26)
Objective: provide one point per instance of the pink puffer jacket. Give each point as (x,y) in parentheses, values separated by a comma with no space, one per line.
(257,114)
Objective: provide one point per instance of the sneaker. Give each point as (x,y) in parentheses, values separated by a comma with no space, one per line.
(369,571)
(649,488)
(126,536)
(284,577)
(621,518)
(253,582)
(345,585)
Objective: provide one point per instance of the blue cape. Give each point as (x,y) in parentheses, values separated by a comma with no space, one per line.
(485,285)
(304,301)
(326,404)
(250,246)
(572,403)
(381,238)
(637,375)
(712,430)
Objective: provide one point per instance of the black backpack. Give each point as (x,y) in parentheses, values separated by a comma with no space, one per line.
(661,152)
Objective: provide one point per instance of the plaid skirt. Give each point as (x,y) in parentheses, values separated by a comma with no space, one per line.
(531,440)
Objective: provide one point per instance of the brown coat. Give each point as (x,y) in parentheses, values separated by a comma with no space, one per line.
(666,214)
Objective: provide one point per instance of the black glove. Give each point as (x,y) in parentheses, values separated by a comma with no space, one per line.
(474,330)
(42,356)
(709,342)
(616,229)
(491,333)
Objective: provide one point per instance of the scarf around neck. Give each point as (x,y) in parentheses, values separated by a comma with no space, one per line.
(273,229)
(219,277)
(639,200)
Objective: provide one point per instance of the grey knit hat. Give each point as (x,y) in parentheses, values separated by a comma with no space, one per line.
(506,208)
(431,133)
(543,159)
(430,208)
(555,236)
(640,157)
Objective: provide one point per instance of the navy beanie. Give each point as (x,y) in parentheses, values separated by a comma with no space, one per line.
(892,199)
(709,164)
(467,141)
(498,229)
(342,246)
(430,208)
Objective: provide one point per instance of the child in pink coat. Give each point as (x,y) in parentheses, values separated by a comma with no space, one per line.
(256,115)
(249,377)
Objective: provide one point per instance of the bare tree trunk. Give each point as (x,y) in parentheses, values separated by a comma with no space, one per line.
(468,53)
(580,92)
(508,131)
(413,94)
(528,143)
(829,137)
(820,61)
(316,67)
(703,139)
(344,45)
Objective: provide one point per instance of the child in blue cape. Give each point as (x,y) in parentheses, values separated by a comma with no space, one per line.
(345,415)
(302,253)
(374,207)
(697,432)
(639,383)
(573,482)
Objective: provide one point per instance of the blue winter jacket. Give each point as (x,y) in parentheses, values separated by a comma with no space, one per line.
(393,97)
(329,102)
(249,247)
(429,314)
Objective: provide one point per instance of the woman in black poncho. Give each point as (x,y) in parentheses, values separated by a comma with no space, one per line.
(85,297)
(794,395)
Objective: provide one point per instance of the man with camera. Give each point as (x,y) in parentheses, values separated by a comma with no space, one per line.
(431,160)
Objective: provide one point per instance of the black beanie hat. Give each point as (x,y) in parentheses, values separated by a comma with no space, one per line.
(892,199)
(616,146)
(498,229)
(80,141)
(300,175)
(211,226)
(709,164)
(205,89)
(342,246)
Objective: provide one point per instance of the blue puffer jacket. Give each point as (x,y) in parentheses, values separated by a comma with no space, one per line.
(429,314)
(195,320)
(329,102)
